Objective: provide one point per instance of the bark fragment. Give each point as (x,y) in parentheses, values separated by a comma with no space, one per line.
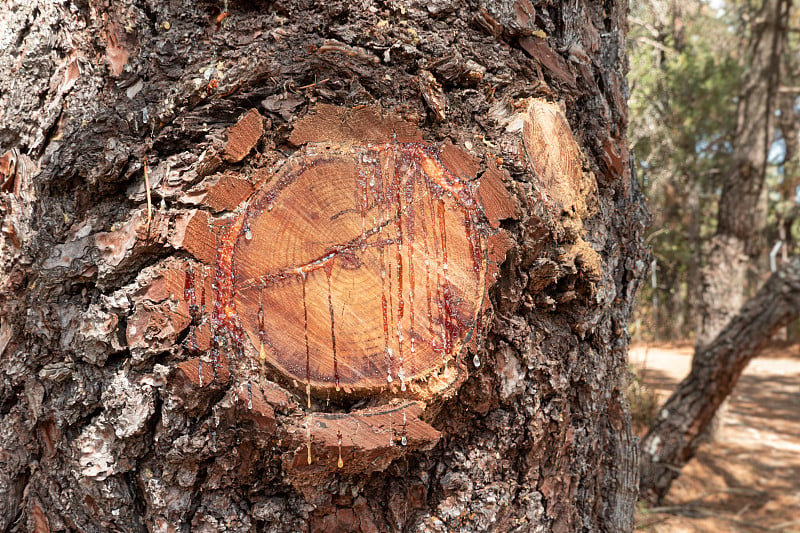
(243,136)
(498,203)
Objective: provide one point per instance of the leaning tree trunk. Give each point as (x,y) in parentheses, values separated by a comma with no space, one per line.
(673,439)
(740,222)
(301,266)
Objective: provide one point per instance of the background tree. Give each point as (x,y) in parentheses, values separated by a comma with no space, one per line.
(742,213)
(686,64)
(736,245)
(685,73)
(124,124)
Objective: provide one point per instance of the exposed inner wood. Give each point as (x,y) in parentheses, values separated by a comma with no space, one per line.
(361,438)
(243,136)
(554,156)
(358,267)
(361,125)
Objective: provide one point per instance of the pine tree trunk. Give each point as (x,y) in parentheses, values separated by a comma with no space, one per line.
(199,202)
(673,439)
(694,268)
(688,417)
(742,207)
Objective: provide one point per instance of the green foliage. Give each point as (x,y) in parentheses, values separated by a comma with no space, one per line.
(683,99)
(684,78)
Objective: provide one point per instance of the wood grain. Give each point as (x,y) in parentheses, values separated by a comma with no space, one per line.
(359,267)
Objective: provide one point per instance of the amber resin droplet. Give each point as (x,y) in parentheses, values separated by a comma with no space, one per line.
(404,437)
(308,438)
(340,463)
(355,265)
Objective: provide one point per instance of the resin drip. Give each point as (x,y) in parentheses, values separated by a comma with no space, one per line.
(262,353)
(363,205)
(476,360)
(203,293)
(225,327)
(474,243)
(404,438)
(389,352)
(308,438)
(328,268)
(396,186)
(427,250)
(303,275)
(410,232)
(340,463)
(445,298)
(385,316)
(432,204)
(188,288)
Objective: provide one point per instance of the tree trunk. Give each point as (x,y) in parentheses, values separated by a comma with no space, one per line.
(742,215)
(303,266)
(694,241)
(742,206)
(673,439)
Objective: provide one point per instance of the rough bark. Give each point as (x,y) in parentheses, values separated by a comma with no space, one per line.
(130,149)
(673,439)
(693,299)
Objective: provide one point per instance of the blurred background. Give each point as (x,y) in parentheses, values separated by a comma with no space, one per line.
(691,66)
(714,120)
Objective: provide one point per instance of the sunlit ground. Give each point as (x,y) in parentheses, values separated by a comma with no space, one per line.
(749,480)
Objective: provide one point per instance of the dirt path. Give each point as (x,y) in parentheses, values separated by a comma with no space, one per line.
(749,480)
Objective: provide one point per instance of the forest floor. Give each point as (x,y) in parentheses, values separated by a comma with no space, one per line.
(749,479)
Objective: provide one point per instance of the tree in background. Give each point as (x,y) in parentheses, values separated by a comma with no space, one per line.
(683,81)
(737,242)
(687,61)
(739,239)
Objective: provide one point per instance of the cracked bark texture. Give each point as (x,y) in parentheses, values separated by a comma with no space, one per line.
(102,427)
